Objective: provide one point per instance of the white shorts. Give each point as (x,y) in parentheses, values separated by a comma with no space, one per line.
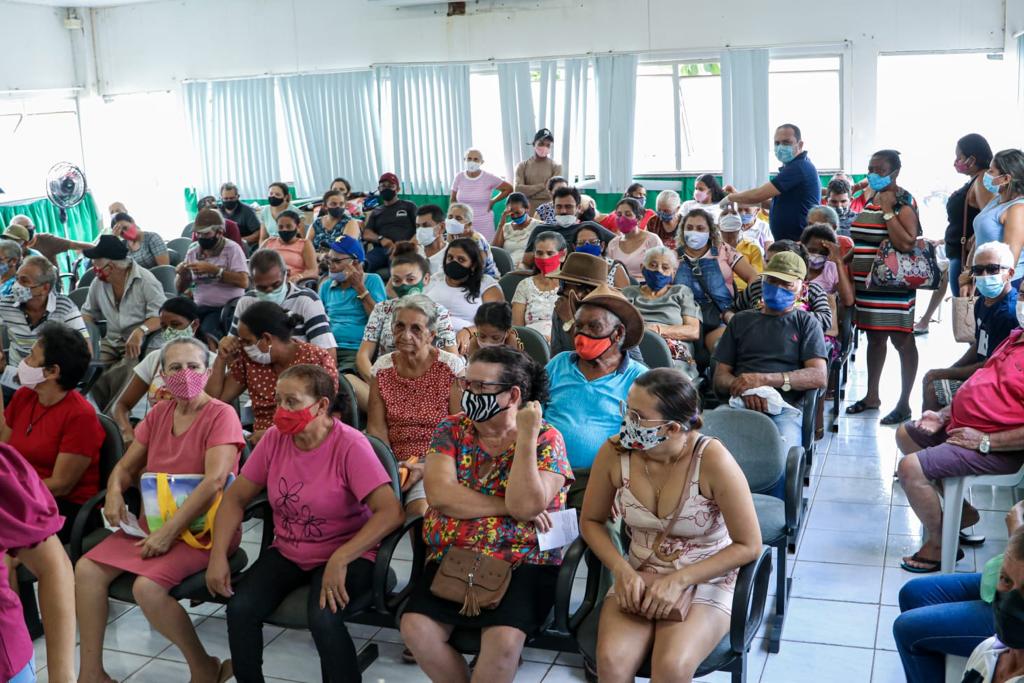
(415,492)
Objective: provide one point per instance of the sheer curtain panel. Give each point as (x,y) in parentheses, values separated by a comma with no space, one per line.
(616,94)
(430,115)
(746,147)
(233,129)
(333,128)
(518,123)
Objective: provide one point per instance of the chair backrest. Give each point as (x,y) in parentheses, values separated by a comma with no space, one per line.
(181,244)
(188,230)
(509,281)
(174,258)
(87,278)
(95,336)
(534,344)
(166,275)
(754,441)
(346,403)
(503,261)
(655,351)
(227,315)
(112,449)
(79,296)
(390,463)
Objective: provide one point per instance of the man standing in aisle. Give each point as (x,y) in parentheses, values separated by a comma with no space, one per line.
(793,192)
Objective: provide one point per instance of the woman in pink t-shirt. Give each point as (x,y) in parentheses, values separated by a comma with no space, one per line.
(476,187)
(29,521)
(332,505)
(193,434)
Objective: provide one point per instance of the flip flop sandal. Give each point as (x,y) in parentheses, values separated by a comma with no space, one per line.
(971,540)
(930,566)
(895,418)
(408,657)
(860,407)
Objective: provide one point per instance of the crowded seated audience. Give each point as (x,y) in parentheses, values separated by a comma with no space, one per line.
(685,547)
(462,285)
(394,219)
(631,243)
(297,252)
(494,472)
(669,310)
(592,239)
(730,227)
(412,389)
(768,359)
(196,440)
(11,255)
(516,227)
(333,224)
(534,300)
(459,225)
(146,248)
(279,200)
(232,208)
(266,347)
(349,295)
(492,326)
(667,218)
(332,504)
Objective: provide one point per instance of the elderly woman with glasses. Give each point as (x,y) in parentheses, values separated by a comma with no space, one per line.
(413,389)
(493,473)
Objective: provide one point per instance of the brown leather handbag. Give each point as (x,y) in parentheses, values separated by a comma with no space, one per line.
(476,580)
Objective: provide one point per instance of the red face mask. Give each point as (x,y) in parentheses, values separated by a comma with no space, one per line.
(130,233)
(548,264)
(101,273)
(591,348)
(291,422)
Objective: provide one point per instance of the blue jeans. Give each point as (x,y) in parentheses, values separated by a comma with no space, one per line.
(26,675)
(955,267)
(790,426)
(941,615)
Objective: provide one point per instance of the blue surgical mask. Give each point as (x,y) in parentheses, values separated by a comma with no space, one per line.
(277,296)
(990,184)
(656,281)
(777,298)
(878,182)
(592,249)
(990,286)
(748,218)
(518,221)
(666,216)
(785,153)
(695,239)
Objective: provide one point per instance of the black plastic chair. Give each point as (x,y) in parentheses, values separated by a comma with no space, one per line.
(86,279)
(96,366)
(748,603)
(345,403)
(757,447)
(167,277)
(534,344)
(78,296)
(839,370)
(181,244)
(174,257)
(377,608)
(655,350)
(510,281)
(227,316)
(502,261)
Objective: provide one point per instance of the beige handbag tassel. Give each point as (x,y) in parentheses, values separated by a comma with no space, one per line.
(471,605)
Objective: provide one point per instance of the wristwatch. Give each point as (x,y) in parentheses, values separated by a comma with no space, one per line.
(786,386)
(986,444)
(145,329)
(888,216)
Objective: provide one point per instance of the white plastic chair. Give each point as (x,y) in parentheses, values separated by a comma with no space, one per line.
(953,492)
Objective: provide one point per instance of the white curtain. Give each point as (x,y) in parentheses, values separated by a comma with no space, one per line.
(1020,79)
(234,131)
(616,94)
(746,146)
(333,124)
(518,123)
(430,116)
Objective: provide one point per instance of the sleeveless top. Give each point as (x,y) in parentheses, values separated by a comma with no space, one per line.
(987,227)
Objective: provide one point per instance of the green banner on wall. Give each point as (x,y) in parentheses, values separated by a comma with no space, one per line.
(83,220)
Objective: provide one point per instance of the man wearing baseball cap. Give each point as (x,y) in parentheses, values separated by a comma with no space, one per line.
(780,346)
(533,174)
(394,219)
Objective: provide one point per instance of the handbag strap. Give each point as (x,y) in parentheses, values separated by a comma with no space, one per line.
(698,451)
(967,197)
(699,273)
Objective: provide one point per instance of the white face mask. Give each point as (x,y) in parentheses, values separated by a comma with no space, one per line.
(473,166)
(257,356)
(453,227)
(565,220)
(695,239)
(425,236)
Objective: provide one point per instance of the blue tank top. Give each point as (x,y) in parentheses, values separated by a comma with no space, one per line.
(987,227)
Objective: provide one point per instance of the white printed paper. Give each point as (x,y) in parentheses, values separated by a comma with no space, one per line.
(564,530)
(130,525)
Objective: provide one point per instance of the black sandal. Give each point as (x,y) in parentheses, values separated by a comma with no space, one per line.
(896,417)
(930,566)
(860,407)
(971,540)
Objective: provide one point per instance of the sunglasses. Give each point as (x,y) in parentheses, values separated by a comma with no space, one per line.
(987,269)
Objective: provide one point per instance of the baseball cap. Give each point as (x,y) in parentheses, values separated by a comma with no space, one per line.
(349,246)
(109,247)
(786,266)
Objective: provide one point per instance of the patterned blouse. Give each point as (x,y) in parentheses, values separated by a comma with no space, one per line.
(501,537)
(322,238)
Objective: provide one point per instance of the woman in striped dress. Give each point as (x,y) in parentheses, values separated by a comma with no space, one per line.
(886,315)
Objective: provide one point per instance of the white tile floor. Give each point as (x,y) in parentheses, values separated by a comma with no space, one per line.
(846,575)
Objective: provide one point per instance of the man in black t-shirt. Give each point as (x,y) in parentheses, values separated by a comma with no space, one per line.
(395,219)
(234,209)
(778,346)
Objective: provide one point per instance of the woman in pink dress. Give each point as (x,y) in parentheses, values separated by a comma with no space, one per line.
(664,474)
(476,187)
(193,434)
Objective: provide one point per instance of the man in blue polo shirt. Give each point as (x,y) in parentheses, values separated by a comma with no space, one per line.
(793,192)
(588,385)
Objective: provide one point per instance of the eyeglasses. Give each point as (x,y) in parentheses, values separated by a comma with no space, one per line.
(339,261)
(626,412)
(987,269)
(480,387)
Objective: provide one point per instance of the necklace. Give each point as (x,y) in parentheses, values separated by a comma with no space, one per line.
(33,419)
(657,489)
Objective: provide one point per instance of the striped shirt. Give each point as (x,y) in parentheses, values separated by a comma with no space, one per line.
(22,334)
(315,328)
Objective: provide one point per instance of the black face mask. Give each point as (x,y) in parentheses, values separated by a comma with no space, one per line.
(207,243)
(336,212)
(388,194)
(230,204)
(457,271)
(286,235)
(588,215)
(1008,610)
(275,201)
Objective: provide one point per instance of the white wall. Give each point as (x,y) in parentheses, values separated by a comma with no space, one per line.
(36,52)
